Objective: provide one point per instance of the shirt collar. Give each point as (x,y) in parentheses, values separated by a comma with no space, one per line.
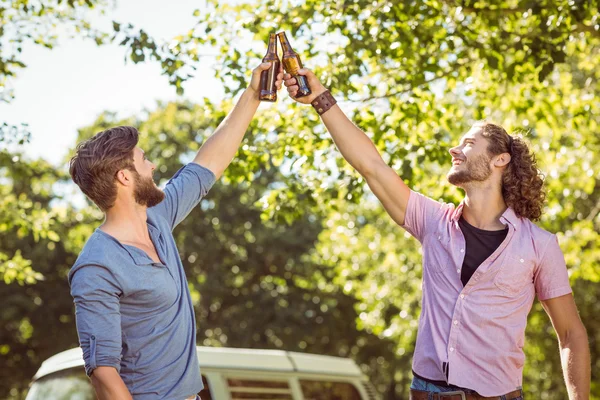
(508,217)
(138,256)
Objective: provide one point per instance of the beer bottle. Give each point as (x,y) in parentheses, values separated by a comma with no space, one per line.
(268,90)
(292,63)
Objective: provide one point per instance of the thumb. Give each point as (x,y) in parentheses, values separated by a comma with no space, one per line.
(310,76)
(261,67)
(306,72)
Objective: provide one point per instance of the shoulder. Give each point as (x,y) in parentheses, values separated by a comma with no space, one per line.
(99,256)
(157,219)
(537,238)
(535,232)
(420,201)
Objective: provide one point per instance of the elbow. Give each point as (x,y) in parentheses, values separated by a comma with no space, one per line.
(372,168)
(574,336)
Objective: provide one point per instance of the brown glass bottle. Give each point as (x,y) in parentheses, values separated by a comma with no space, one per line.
(268,90)
(292,63)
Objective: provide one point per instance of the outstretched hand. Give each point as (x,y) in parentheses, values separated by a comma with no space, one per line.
(313,82)
(255,82)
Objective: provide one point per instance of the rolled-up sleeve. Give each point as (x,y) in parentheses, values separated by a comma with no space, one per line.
(97,312)
(184,191)
(551,278)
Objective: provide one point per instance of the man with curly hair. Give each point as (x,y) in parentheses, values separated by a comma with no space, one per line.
(484,261)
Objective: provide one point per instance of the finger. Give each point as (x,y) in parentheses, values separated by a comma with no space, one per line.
(286,76)
(291,89)
(262,67)
(278,85)
(280,76)
(290,82)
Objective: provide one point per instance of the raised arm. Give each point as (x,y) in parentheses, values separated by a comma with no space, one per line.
(358,150)
(220,148)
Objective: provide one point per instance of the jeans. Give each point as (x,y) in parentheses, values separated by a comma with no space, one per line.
(420,384)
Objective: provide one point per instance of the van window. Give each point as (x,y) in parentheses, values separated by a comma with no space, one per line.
(243,389)
(72,384)
(326,390)
(205,393)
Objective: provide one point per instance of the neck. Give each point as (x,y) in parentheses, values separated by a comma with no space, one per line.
(126,221)
(484,205)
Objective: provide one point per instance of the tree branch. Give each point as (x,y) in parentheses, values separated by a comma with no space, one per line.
(411,86)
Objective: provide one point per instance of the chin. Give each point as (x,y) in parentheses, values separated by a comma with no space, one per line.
(454,180)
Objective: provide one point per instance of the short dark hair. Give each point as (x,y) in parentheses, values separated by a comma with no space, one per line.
(97,160)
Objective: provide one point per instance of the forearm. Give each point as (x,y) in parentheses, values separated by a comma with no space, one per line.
(575,358)
(220,148)
(353,143)
(109,385)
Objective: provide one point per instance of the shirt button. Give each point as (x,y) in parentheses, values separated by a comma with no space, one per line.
(439,238)
(462,296)
(522,260)
(462,250)
(458,270)
(451,348)
(93,337)
(455,322)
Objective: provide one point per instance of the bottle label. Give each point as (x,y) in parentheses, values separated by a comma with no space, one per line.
(292,65)
(268,78)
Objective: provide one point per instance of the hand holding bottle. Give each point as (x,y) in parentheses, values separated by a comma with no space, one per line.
(291,84)
(256,74)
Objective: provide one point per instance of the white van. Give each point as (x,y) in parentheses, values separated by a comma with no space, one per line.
(228,374)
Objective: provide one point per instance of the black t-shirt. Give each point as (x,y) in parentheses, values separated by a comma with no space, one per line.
(480,244)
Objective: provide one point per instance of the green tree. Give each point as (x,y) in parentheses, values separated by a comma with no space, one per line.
(39,239)
(413,75)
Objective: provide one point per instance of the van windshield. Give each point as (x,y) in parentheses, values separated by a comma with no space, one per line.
(71,384)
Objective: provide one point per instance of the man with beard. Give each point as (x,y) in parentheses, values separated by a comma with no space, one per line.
(134,313)
(483,261)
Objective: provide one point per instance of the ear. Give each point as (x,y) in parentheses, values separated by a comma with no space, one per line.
(124,177)
(502,160)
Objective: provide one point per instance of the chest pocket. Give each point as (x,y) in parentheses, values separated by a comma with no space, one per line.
(438,257)
(515,275)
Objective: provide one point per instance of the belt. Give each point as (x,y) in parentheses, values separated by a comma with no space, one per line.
(460,395)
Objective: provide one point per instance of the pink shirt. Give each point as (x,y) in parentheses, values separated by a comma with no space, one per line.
(478,330)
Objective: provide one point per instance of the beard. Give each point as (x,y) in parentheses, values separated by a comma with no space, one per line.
(476,170)
(145,192)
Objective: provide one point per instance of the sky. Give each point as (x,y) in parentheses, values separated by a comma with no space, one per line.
(66,88)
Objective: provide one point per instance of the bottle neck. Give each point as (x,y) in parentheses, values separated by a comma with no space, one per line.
(285,44)
(272,49)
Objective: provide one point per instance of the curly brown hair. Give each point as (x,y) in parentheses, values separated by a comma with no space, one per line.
(97,160)
(522,183)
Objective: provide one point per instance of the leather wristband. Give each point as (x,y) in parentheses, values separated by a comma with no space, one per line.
(323,102)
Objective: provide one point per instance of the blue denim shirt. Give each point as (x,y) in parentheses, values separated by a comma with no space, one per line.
(136,315)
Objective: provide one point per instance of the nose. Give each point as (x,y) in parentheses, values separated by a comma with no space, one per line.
(454,151)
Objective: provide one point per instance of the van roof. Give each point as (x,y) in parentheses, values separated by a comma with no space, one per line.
(232,358)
